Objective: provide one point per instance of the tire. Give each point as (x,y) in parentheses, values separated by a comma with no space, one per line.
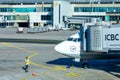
(85,65)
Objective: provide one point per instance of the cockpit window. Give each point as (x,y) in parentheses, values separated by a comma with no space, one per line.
(79,39)
(69,39)
(74,39)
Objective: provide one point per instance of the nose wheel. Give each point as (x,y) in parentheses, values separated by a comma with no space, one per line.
(85,64)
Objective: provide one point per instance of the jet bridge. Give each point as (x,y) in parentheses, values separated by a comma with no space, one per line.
(76,22)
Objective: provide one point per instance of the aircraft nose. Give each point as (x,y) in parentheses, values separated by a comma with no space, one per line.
(68,48)
(60,48)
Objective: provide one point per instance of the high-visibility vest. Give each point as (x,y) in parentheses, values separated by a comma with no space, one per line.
(27,61)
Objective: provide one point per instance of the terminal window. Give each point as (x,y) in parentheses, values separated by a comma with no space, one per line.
(96,9)
(46,17)
(35,24)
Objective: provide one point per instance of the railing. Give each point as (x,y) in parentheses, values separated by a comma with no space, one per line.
(37,30)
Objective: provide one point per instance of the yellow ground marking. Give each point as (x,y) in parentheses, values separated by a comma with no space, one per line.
(52,69)
(38,74)
(33,63)
(60,68)
(72,74)
(56,68)
(32,55)
(23,49)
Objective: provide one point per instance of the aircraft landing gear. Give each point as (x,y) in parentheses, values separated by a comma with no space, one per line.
(85,64)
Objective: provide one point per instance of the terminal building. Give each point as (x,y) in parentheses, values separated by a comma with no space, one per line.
(56,13)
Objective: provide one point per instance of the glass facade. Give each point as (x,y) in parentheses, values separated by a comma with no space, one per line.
(46,17)
(2,25)
(109,10)
(45,9)
(6,10)
(114,18)
(18,9)
(96,9)
(45,13)
(36,24)
(16,17)
(101,17)
(24,9)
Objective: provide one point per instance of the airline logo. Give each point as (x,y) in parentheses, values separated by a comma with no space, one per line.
(72,48)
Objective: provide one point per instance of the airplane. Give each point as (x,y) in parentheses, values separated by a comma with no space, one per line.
(72,47)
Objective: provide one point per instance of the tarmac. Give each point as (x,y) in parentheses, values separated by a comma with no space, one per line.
(46,63)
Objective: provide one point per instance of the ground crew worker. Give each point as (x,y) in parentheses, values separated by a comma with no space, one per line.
(27,62)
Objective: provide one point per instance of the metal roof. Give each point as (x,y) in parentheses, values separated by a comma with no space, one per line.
(50,1)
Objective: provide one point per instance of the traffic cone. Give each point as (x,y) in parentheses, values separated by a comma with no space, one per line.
(33,74)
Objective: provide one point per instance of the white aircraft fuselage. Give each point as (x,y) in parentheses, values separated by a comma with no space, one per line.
(72,48)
